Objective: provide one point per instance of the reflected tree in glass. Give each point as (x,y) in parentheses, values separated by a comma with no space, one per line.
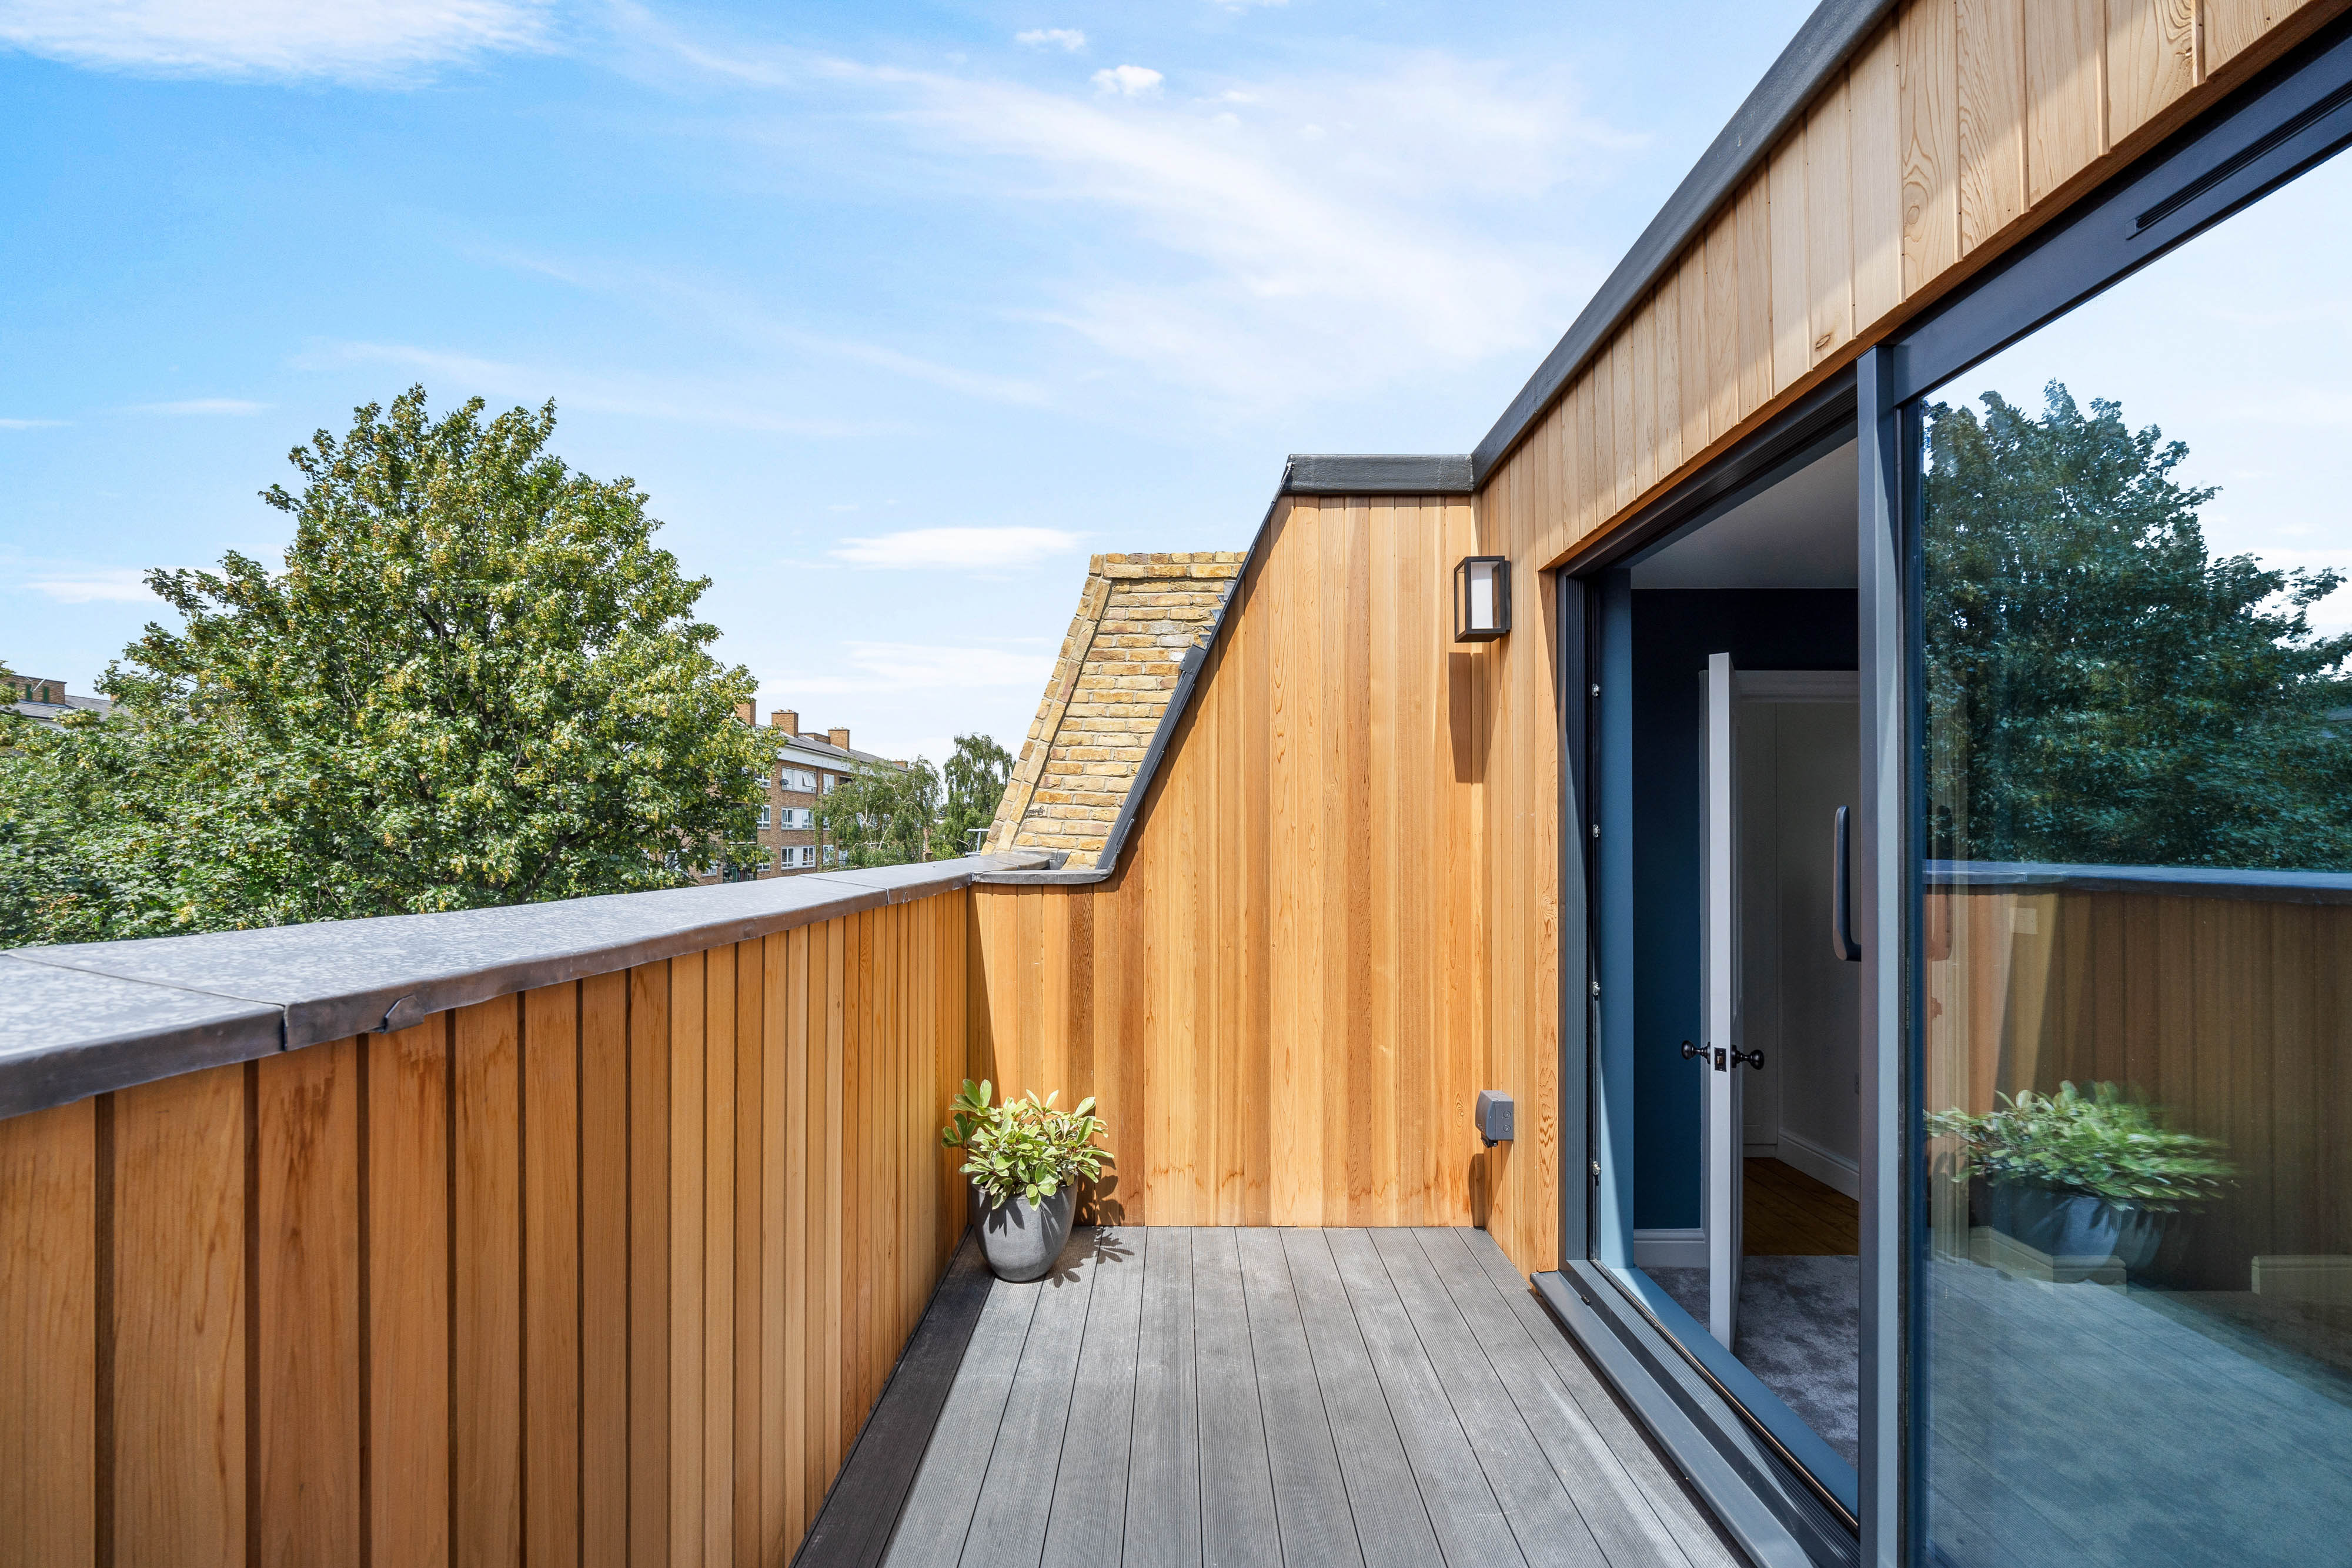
(2101,689)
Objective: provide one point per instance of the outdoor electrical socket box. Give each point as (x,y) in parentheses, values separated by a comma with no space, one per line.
(1493,1116)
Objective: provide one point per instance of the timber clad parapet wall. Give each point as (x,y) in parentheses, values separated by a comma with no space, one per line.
(603,1273)
(1281,995)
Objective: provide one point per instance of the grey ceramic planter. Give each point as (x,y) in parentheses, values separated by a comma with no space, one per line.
(1022,1239)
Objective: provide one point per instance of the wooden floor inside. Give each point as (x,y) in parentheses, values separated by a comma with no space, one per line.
(1283,1396)
(1786,1214)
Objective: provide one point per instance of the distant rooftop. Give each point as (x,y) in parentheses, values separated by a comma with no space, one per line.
(44,699)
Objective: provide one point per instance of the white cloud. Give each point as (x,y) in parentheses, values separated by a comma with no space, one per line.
(956,549)
(1128,81)
(1068,38)
(909,666)
(31,423)
(1212,245)
(201,405)
(109,585)
(1413,236)
(353,40)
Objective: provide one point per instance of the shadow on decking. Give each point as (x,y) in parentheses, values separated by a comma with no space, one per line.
(1292,1396)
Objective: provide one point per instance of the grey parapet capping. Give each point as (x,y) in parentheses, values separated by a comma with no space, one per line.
(86,1016)
(67,1034)
(1828,38)
(1346,474)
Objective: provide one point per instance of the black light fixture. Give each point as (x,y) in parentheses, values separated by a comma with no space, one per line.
(1481,598)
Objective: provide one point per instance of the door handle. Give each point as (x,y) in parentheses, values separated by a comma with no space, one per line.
(1842,942)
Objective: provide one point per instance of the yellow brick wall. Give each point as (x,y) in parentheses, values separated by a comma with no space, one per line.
(1137,616)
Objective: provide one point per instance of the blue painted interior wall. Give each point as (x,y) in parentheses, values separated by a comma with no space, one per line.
(1673,631)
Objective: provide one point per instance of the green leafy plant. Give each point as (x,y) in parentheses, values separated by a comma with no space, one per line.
(1023,1146)
(2100,1145)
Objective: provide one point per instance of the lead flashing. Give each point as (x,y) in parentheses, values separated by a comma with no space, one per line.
(1826,41)
(1373,474)
(81,1018)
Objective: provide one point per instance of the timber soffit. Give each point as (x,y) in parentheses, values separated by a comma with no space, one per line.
(1829,36)
(85,1018)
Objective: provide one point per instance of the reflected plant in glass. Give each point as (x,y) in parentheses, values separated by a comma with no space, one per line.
(2099,1145)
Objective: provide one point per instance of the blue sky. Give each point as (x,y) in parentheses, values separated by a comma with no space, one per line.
(897,311)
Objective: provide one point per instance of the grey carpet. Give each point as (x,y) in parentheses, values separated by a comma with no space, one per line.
(1800,1332)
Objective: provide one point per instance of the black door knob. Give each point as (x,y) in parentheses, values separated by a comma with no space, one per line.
(1752,1057)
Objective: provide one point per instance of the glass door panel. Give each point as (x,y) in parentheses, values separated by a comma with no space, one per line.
(2136,1079)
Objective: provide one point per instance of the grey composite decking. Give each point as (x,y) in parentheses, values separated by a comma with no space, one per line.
(1286,1397)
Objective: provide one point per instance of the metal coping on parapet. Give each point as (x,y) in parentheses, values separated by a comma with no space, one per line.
(1822,45)
(86,1018)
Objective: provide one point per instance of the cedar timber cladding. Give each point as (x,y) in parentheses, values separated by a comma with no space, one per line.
(1278,994)
(605,1272)
(1339,906)
(1137,618)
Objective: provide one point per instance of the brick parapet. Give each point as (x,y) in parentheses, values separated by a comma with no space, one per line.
(1119,665)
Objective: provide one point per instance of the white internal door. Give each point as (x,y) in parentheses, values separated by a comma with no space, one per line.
(1721,924)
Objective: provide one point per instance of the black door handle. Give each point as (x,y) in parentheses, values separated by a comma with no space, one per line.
(1841,940)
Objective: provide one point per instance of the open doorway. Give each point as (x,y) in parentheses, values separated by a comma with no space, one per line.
(1729,1109)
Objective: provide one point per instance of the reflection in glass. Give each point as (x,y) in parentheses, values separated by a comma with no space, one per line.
(2137,929)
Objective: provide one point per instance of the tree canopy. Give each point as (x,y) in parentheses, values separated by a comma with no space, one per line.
(975,777)
(880,815)
(2101,688)
(473,681)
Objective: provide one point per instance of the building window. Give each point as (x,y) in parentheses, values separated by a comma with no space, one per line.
(763,816)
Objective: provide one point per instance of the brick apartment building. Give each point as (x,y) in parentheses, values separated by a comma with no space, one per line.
(806,768)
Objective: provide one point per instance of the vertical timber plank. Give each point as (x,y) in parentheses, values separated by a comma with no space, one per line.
(751,1100)
(1931,142)
(604,1270)
(2066,91)
(551,1196)
(179,1413)
(651,1280)
(1991,77)
(687,1175)
(408,1294)
(48,1301)
(307,1306)
(1829,224)
(1752,235)
(1785,185)
(1875,109)
(487,1374)
(2151,60)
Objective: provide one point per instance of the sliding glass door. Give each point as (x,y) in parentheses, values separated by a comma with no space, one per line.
(2130,852)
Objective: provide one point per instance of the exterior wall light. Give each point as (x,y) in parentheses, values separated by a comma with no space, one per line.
(1481,598)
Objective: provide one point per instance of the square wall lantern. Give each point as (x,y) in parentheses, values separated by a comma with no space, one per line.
(1481,598)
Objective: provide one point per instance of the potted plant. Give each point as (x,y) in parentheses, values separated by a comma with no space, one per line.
(1024,1157)
(2077,1177)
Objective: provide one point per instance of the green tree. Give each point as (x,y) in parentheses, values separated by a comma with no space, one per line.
(975,776)
(2101,689)
(476,681)
(881,816)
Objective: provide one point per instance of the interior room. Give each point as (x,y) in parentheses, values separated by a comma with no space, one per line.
(1765,594)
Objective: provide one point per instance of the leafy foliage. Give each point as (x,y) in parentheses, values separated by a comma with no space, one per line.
(975,778)
(476,681)
(2104,1146)
(881,816)
(2101,690)
(1023,1146)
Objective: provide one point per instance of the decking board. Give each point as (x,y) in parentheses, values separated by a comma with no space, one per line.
(1285,1396)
